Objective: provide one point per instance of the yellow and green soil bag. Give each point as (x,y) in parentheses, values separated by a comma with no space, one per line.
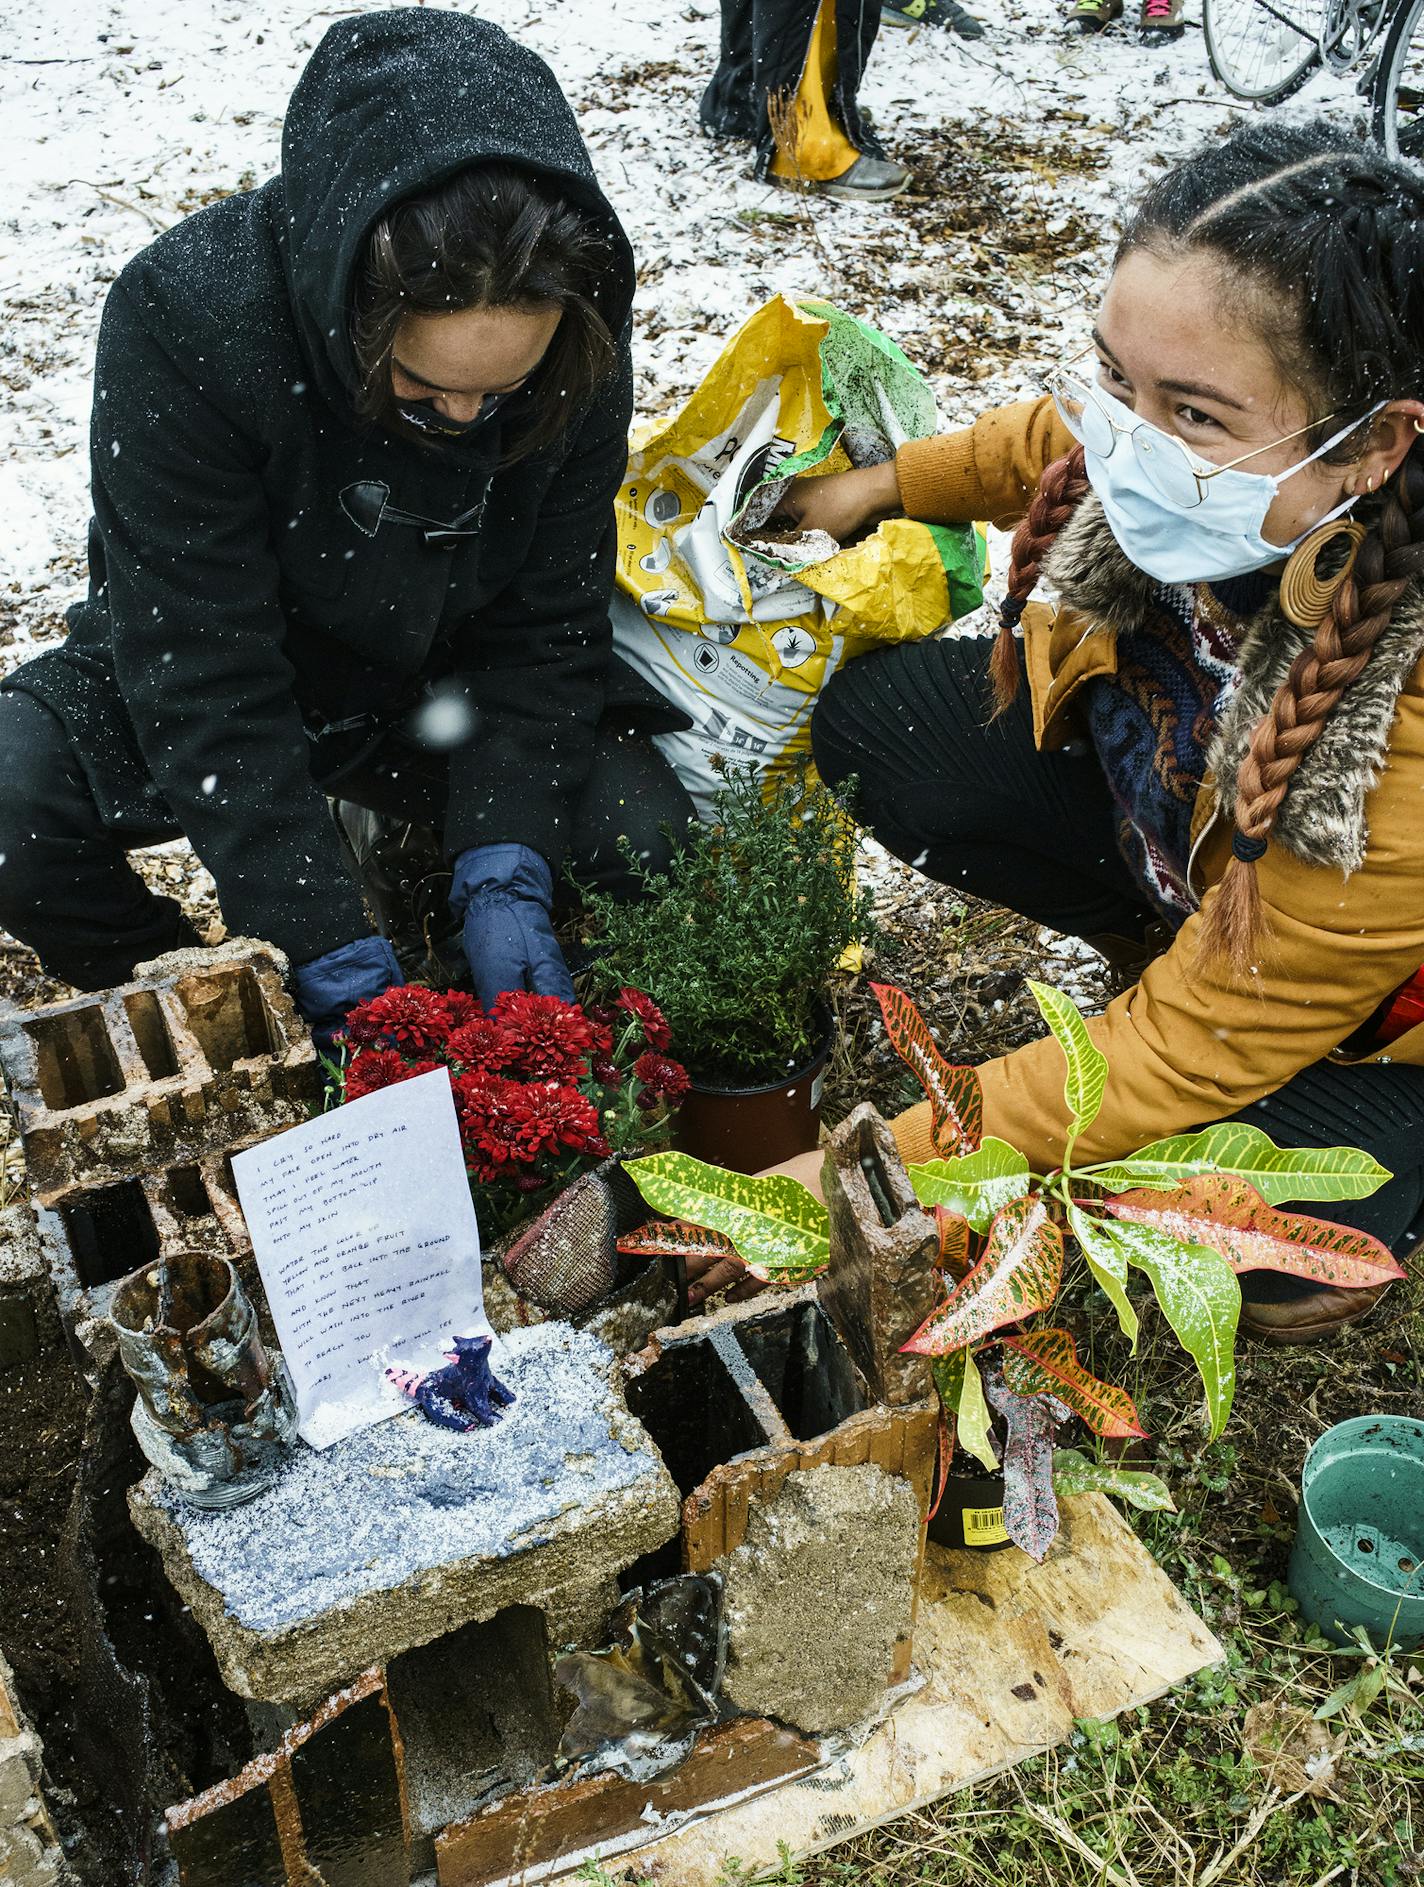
(740,621)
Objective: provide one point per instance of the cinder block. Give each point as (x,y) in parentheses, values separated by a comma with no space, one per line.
(30,1854)
(29,1314)
(519,1837)
(98,1235)
(327,1804)
(201,1052)
(883,1278)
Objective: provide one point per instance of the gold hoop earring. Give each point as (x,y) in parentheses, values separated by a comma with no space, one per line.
(1306,596)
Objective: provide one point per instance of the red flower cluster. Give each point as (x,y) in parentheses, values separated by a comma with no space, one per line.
(542,1088)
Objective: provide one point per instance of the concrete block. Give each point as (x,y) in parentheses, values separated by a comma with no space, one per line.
(30,1854)
(203,1050)
(405,1532)
(29,1314)
(328,1804)
(819,1597)
(738,1400)
(883,1278)
(551,1828)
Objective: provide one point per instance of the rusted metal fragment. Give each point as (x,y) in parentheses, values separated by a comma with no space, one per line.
(882,1281)
(527,1831)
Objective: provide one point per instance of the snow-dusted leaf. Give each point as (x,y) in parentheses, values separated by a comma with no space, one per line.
(961,1391)
(955,1097)
(1108,1265)
(1087,1065)
(1019,1274)
(1200,1299)
(1042,1361)
(1280,1174)
(1075,1473)
(975,1184)
(1230,1216)
(1030,1504)
(780,1230)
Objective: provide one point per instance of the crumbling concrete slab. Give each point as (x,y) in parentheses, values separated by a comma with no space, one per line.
(29,1314)
(405,1531)
(820,1597)
(30,1854)
(203,1050)
(883,1280)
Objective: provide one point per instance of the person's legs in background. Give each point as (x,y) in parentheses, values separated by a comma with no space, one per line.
(788,80)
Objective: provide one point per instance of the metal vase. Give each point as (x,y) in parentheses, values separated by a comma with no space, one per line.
(215,1411)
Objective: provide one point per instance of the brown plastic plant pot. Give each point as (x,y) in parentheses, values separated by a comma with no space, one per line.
(748,1129)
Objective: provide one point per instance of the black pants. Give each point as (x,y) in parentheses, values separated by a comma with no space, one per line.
(68,890)
(763,52)
(972,803)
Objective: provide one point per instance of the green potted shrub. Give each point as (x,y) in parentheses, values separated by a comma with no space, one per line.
(1190,1212)
(736,943)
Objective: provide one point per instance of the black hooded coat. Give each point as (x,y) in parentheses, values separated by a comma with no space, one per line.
(236,603)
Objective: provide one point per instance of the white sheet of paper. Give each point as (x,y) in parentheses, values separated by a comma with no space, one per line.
(364,1232)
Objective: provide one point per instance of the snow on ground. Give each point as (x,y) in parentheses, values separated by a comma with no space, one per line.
(117,117)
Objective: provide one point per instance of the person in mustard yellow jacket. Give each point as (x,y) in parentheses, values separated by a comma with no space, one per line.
(1217,762)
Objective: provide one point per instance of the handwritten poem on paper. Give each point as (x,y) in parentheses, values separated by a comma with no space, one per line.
(364,1232)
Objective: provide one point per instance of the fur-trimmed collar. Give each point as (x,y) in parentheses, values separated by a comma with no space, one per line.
(1322,818)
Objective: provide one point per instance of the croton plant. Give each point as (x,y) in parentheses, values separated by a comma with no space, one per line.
(1191,1212)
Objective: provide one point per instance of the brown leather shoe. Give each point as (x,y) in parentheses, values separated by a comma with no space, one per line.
(1310,1319)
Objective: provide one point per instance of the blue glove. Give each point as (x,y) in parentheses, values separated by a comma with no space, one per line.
(503,895)
(330,985)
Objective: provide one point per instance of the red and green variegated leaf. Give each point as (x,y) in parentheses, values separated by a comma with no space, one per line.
(1019,1274)
(781,1231)
(955,1243)
(1282,1175)
(961,1391)
(1046,1362)
(955,1097)
(976,1184)
(1030,1504)
(676,1238)
(1200,1299)
(1074,1473)
(1228,1215)
(1087,1074)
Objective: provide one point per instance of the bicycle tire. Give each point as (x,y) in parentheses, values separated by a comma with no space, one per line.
(1406,30)
(1233,29)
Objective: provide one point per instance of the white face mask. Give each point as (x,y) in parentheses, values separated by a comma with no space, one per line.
(1179,518)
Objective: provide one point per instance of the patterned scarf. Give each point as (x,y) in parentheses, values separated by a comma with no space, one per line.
(1152,721)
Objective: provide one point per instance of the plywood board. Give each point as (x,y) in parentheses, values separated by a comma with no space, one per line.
(1011,1655)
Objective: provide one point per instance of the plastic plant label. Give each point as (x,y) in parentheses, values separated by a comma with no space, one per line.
(364,1232)
(984,1526)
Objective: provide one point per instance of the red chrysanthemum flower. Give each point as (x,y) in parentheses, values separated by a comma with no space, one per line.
(407,1016)
(460,1007)
(376,1068)
(550,1039)
(661,1076)
(481,1044)
(656,1032)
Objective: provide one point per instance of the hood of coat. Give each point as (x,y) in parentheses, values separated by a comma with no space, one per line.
(1322,818)
(394,103)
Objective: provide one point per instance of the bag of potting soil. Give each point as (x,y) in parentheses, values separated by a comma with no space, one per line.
(733,617)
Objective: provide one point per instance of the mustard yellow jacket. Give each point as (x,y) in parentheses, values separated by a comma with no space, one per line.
(1342,884)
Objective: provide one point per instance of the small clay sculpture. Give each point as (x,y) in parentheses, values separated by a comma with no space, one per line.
(465,1394)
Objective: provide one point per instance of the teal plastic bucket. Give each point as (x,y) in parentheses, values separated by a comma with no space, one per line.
(1359,1545)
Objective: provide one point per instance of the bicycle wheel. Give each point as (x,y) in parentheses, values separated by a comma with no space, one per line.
(1262,50)
(1398,97)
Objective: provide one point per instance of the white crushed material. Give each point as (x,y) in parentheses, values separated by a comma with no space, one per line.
(404,1497)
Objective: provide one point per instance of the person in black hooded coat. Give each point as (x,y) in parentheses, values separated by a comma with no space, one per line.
(288,595)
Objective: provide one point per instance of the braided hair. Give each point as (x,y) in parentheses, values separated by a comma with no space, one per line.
(1325,237)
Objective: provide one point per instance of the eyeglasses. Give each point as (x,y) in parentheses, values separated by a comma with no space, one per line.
(1166,462)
